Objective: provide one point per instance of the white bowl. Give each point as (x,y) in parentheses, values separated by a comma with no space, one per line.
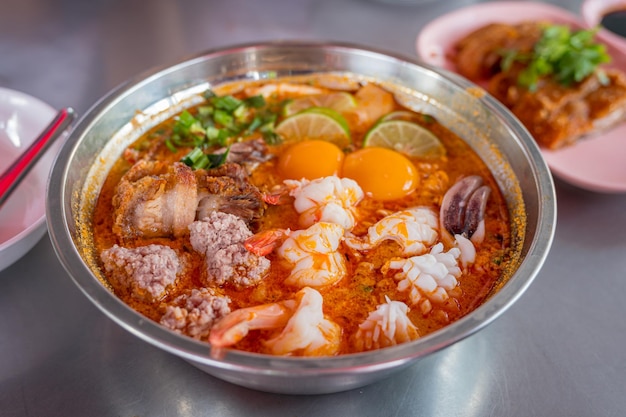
(592,12)
(22,217)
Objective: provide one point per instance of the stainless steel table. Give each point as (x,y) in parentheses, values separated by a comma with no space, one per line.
(560,351)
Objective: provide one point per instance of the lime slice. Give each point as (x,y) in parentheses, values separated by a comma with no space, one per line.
(316,123)
(339,102)
(408,138)
(407,116)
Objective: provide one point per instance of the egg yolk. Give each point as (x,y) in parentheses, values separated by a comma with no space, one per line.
(386,174)
(310,159)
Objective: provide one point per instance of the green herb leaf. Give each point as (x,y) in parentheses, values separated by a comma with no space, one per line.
(255,101)
(197,159)
(218,159)
(567,56)
(226,103)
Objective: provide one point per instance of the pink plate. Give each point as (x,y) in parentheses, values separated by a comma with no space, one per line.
(595,164)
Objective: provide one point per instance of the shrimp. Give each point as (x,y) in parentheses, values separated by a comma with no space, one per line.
(305,331)
(373,102)
(283,89)
(429,277)
(415,229)
(329,199)
(388,325)
(312,252)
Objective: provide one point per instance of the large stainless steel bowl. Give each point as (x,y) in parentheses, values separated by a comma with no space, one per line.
(121,116)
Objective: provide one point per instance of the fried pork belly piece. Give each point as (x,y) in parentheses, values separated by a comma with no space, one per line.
(220,238)
(155,199)
(556,115)
(229,169)
(607,104)
(194,313)
(478,55)
(227,189)
(146,271)
(160,199)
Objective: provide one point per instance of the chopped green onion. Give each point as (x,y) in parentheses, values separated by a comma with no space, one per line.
(197,159)
(271,138)
(170,145)
(226,103)
(185,119)
(212,133)
(218,159)
(222,137)
(254,125)
(255,101)
(205,111)
(223,118)
(209,94)
(241,112)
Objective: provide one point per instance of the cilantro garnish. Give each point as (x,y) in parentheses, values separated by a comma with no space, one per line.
(567,56)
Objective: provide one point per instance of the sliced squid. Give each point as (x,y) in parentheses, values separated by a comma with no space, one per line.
(463,210)
(300,324)
(428,278)
(388,325)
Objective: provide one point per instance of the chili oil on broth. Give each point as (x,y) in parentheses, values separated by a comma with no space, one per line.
(348,302)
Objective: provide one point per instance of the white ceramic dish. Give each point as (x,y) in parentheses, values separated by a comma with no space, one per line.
(595,164)
(592,12)
(22,217)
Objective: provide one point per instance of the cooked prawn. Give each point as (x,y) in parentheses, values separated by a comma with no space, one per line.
(312,252)
(283,89)
(305,329)
(415,229)
(329,199)
(314,256)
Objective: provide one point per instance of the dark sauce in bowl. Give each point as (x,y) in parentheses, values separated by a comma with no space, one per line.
(615,21)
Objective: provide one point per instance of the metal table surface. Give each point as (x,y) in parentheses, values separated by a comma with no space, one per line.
(559,351)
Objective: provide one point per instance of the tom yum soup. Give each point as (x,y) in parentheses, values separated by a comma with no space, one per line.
(292,218)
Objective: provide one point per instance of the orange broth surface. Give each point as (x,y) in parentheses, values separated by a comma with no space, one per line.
(367,283)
